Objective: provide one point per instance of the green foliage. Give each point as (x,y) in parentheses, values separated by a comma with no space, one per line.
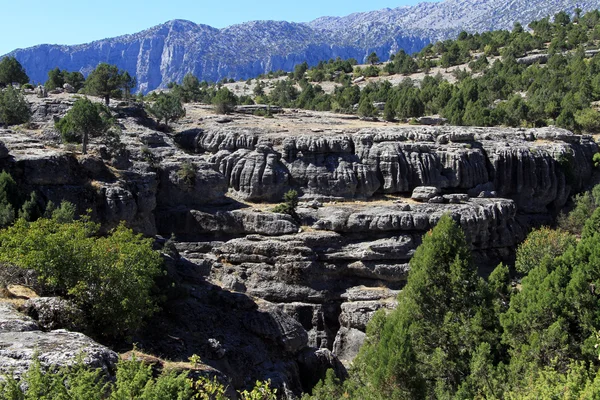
(224,101)
(83,120)
(372,58)
(55,79)
(596,160)
(110,277)
(588,120)
(424,347)
(10,199)
(289,205)
(31,209)
(366,108)
(539,244)
(190,88)
(209,389)
(585,204)
(106,80)
(14,109)
(167,107)
(11,71)
(260,391)
(187,173)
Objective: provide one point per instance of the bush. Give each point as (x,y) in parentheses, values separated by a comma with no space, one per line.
(539,244)
(167,107)
(289,205)
(109,277)
(224,101)
(585,204)
(85,119)
(187,173)
(14,109)
(134,380)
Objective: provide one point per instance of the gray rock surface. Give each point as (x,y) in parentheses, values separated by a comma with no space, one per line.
(424,193)
(21,339)
(55,313)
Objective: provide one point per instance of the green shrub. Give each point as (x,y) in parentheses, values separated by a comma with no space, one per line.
(14,109)
(84,120)
(542,243)
(187,173)
(109,277)
(167,107)
(289,205)
(585,204)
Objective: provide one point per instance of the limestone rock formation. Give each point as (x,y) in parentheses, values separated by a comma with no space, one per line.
(21,339)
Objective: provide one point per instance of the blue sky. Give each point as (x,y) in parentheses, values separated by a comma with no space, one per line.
(25,24)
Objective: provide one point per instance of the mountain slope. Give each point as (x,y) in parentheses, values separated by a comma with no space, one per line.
(167,52)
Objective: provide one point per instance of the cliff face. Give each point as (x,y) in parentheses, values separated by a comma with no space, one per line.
(167,52)
(289,292)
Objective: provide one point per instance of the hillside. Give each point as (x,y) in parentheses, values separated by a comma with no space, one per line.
(167,52)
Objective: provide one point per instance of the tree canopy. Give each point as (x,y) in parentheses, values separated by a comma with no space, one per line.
(11,71)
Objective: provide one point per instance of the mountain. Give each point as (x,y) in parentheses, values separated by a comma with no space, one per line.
(167,52)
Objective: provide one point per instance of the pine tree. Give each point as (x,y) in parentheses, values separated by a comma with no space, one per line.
(423,349)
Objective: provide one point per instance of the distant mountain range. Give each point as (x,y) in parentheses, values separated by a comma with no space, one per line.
(167,52)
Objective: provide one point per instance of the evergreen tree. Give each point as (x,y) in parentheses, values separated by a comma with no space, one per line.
(423,349)
(372,58)
(11,71)
(167,107)
(85,119)
(224,101)
(14,109)
(104,81)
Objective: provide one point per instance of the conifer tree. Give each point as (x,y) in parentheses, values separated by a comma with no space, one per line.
(423,349)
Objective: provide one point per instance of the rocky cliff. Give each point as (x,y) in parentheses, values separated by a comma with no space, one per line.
(167,52)
(264,295)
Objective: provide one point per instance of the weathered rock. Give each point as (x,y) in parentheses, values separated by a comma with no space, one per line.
(456,198)
(437,200)
(314,364)
(68,88)
(21,292)
(152,139)
(13,321)
(431,120)
(348,343)
(21,339)
(55,313)
(41,91)
(3,151)
(424,193)
(256,175)
(203,186)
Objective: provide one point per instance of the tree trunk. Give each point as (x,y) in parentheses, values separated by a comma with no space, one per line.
(107,100)
(84,143)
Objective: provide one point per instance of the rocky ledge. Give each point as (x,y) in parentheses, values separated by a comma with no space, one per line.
(265,295)
(21,340)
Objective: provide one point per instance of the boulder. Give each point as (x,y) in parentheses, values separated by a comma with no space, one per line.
(348,343)
(424,193)
(21,340)
(41,91)
(69,88)
(55,313)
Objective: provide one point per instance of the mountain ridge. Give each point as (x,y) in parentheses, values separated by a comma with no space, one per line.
(167,52)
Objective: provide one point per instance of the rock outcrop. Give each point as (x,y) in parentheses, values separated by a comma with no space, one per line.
(262,295)
(21,339)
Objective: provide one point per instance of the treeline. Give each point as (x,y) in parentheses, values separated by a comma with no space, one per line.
(494,90)
(531,333)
